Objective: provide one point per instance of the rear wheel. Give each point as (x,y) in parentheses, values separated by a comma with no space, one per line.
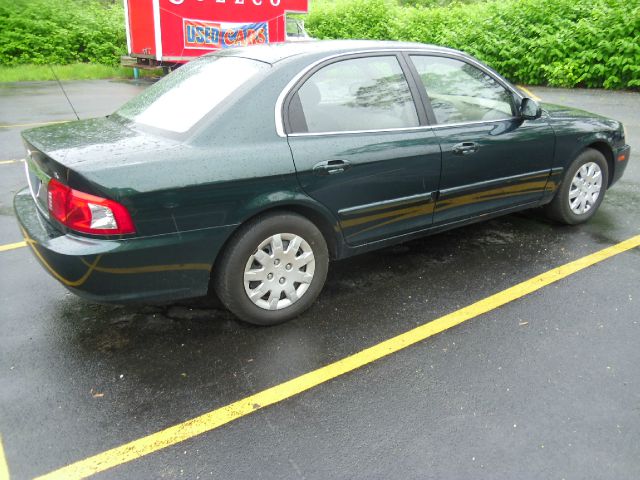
(582,189)
(273,269)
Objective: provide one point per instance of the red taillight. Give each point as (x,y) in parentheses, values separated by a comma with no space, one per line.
(87,213)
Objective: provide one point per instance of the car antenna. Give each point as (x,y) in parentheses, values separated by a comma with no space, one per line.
(65,93)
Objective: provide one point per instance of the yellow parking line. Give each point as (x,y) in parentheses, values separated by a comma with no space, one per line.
(4,467)
(7,162)
(530,93)
(12,246)
(17,125)
(221,416)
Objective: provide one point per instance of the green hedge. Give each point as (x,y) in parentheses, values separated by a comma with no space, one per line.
(61,32)
(591,43)
(568,43)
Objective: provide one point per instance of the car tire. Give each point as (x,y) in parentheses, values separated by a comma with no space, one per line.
(582,189)
(290,285)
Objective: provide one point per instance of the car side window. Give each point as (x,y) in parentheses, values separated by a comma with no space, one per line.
(460,92)
(369,93)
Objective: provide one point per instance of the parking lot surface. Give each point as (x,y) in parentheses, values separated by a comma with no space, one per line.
(545,386)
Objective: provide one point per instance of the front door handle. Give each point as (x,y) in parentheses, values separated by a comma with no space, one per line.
(465,148)
(331,167)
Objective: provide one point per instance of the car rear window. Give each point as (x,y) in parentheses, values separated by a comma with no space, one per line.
(178,101)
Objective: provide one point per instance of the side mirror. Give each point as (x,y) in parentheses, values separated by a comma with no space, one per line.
(529,109)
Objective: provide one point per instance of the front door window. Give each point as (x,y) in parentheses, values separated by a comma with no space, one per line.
(460,92)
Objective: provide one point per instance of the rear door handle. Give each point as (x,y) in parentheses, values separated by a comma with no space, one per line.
(331,167)
(465,148)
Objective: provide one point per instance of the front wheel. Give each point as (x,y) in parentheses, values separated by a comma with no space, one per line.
(582,189)
(273,269)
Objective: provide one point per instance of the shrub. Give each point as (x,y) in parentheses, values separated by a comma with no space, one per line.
(590,43)
(61,32)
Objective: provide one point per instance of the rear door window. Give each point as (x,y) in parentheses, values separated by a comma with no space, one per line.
(369,93)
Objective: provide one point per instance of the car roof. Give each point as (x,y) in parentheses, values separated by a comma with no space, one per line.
(276,52)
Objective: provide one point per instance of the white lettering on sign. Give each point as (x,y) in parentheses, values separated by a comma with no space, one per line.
(274,3)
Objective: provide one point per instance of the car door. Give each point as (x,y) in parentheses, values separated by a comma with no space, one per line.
(492,159)
(361,147)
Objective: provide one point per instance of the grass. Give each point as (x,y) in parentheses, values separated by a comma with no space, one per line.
(76,71)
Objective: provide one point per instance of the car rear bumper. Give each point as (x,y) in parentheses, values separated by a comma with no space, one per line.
(620,161)
(149,269)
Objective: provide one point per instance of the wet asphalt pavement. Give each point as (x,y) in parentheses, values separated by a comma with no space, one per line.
(547,386)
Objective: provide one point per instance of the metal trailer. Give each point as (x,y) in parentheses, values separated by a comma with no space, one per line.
(168,33)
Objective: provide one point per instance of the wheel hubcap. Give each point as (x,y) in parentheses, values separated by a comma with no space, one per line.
(279,272)
(585,188)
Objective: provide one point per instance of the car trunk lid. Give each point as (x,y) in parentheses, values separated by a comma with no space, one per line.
(73,152)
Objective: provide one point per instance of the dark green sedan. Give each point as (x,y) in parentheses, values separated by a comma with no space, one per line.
(246,171)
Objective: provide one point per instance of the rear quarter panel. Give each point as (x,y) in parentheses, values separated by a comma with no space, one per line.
(233,166)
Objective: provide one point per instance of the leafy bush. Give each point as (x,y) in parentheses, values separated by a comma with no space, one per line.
(61,32)
(591,43)
(434,3)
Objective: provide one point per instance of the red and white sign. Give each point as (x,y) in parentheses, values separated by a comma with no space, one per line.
(178,30)
(201,34)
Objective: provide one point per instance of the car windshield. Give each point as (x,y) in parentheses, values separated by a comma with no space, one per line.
(180,100)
